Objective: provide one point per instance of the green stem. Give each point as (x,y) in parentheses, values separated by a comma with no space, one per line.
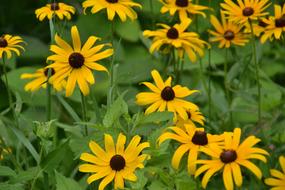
(11,106)
(210,88)
(228,96)
(84,111)
(152,14)
(256,70)
(112,63)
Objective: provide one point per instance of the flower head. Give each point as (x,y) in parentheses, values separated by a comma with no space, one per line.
(40,78)
(9,44)
(165,97)
(123,8)
(275,25)
(227,32)
(245,10)
(278,177)
(76,63)
(192,139)
(230,158)
(61,10)
(183,7)
(115,162)
(177,37)
(194,116)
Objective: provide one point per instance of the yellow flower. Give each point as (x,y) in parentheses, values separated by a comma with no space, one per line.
(76,64)
(115,163)
(177,37)
(164,97)
(61,10)
(275,25)
(40,78)
(9,44)
(258,27)
(183,7)
(194,116)
(123,8)
(231,158)
(278,178)
(245,10)
(192,139)
(4,151)
(227,32)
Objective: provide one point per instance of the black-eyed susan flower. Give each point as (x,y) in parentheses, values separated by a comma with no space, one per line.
(183,7)
(76,63)
(230,158)
(275,25)
(61,10)
(123,8)
(192,139)
(278,177)
(227,32)
(194,116)
(245,10)
(115,162)
(258,27)
(165,97)
(10,44)
(177,37)
(40,78)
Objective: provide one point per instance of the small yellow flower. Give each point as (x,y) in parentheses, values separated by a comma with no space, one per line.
(278,177)
(40,78)
(9,44)
(123,8)
(61,10)
(183,7)
(227,32)
(164,97)
(115,162)
(245,10)
(275,25)
(177,37)
(192,139)
(230,158)
(76,63)
(258,27)
(194,116)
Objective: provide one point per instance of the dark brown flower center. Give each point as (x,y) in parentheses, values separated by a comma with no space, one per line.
(229,35)
(54,6)
(47,70)
(117,162)
(200,138)
(172,33)
(76,60)
(228,156)
(3,42)
(112,1)
(247,11)
(189,114)
(167,94)
(182,3)
(262,23)
(280,22)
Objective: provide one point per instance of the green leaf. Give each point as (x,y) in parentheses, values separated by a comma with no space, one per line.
(24,176)
(7,186)
(129,30)
(6,171)
(69,109)
(64,183)
(156,117)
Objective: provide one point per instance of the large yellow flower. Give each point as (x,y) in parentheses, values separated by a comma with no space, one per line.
(76,63)
(121,7)
(177,37)
(164,97)
(192,139)
(278,178)
(275,25)
(230,158)
(61,10)
(9,44)
(245,9)
(227,32)
(115,162)
(183,7)
(40,78)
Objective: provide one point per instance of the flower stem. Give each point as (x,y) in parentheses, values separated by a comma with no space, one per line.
(256,70)
(84,111)
(210,88)
(228,96)
(10,98)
